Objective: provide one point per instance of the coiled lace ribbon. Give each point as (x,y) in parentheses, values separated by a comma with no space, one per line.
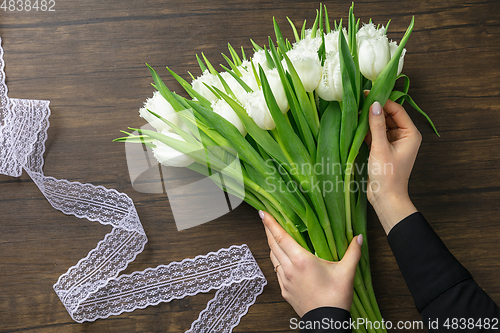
(92,288)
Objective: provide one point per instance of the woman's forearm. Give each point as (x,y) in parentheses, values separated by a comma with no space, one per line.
(392,209)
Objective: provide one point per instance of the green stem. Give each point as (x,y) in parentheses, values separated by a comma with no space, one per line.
(318,203)
(364,299)
(347,196)
(355,315)
(362,312)
(373,300)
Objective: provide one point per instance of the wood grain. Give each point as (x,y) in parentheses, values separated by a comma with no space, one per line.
(88,58)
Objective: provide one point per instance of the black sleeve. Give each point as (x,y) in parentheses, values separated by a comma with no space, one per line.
(326,320)
(444,292)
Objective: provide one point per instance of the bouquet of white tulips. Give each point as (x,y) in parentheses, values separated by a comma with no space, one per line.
(287,127)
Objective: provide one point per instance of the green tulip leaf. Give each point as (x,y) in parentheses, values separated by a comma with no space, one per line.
(295,33)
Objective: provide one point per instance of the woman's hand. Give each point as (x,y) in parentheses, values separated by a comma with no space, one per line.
(308,282)
(394,141)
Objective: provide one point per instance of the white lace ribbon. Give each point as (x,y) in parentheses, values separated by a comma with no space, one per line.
(92,288)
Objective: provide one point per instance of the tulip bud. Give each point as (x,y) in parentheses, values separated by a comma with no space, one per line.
(305,60)
(238,91)
(249,79)
(256,107)
(369,31)
(223,109)
(373,54)
(159,105)
(312,43)
(259,58)
(394,46)
(210,80)
(332,42)
(247,74)
(308,68)
(274,81)
(168,156)
(330,87)
(373,50)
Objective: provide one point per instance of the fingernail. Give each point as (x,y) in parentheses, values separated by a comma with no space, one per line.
(366,91)
(360,239)
(261,214)
(376,108)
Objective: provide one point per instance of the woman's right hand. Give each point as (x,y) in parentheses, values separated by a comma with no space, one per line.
(394,141)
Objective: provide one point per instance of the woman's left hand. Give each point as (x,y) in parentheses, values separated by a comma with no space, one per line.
(308,282)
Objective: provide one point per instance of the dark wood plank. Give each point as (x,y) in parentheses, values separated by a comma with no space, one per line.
(88,59)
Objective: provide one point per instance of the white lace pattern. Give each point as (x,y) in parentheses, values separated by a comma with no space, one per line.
(93,289)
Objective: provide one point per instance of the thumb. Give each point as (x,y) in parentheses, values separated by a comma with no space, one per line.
(353,254)
(377,126)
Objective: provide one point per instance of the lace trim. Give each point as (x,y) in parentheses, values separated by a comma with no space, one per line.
(92,288)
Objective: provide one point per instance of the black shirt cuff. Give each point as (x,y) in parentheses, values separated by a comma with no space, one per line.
(428,267)
(326,319)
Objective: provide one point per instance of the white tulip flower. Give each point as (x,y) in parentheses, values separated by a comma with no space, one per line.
(375,51)
(168,156)
(373,54)
(247,74)
(238,91)
(306,63)
(393,47)
(223,109)
(311,43)
(369,31)
(259,58)
(159,105)
(276,85)
(330,88)
(305,60)
(332,42)
(210,80)
(256,107)
(250,80)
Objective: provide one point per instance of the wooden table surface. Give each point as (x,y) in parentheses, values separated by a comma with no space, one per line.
(88,58)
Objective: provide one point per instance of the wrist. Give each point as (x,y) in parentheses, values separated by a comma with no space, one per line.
(392,208)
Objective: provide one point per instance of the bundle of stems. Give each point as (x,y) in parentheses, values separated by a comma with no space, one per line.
(310,170)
